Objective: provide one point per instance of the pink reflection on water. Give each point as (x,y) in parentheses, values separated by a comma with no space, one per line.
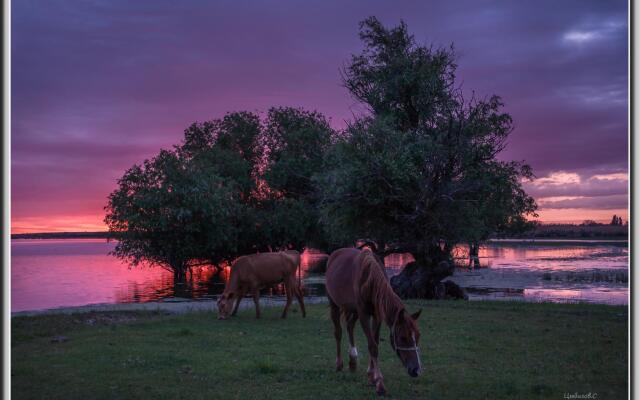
(398,260)
(591,295)
(548,257)
(72,272)
(61,273)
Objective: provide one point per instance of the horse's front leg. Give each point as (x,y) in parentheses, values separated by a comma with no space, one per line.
(238,300)
(376,337)
(375,376)
(376,330)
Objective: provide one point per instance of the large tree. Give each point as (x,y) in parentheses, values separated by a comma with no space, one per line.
(234,186)
(169,212)
(419,172)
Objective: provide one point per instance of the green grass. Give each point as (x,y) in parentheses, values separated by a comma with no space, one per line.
(476,350)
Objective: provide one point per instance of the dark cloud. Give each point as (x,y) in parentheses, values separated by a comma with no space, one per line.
(98,86)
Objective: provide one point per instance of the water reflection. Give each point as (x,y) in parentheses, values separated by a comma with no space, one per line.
(549,271)
(71,272)
(61,273)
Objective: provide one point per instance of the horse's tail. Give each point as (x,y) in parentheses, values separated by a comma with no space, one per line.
(294,256)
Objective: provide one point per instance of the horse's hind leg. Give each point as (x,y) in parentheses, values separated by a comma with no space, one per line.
(287,288)
(300,297)
(353,351)
(256,300)
(337,333)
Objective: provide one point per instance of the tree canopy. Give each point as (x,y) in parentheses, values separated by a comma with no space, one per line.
(233,186)
(419,172)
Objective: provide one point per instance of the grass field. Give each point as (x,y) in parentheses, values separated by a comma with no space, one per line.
(478,350)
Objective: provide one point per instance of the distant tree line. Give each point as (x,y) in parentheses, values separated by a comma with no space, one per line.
(589,229)
(616,220)
(417,173)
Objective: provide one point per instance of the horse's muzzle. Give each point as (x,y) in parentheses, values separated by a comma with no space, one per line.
(413,372)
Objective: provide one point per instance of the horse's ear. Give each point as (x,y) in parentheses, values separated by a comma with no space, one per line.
(416,314)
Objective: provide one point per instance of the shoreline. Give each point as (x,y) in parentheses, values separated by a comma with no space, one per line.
(186,306)
(171,306)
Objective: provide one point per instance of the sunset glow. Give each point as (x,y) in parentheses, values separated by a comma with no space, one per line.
(68,223)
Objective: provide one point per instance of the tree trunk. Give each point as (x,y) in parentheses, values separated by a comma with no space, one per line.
(179,271)
(179,275)
(474,259)
(423,277)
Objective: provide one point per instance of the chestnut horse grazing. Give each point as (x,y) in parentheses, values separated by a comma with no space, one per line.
(358,289)
(257,271)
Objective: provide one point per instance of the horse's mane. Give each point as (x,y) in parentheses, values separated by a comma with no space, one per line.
(376,287)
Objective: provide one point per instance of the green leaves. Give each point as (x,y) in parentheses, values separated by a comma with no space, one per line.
(422,167)
(235,185)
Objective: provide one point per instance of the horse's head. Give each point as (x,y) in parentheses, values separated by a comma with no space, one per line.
(225,304)
(404,339)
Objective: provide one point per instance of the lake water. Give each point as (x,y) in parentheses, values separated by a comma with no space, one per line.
(72,272)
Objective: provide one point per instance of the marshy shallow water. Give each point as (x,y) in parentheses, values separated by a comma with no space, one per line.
(54,273)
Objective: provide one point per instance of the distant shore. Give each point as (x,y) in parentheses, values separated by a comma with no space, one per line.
(543,231)
(61,235)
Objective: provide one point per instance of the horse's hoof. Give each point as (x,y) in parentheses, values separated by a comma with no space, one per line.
(339,366)
(353,365)
(380,390)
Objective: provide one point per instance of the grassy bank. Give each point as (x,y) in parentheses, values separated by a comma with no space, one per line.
(469,350)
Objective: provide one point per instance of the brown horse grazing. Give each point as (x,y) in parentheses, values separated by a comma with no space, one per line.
(257,271)
(358,288)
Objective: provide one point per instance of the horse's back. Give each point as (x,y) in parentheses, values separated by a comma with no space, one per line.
(264,268)
(340,277)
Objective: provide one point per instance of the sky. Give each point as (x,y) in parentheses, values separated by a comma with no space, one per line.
(99,86)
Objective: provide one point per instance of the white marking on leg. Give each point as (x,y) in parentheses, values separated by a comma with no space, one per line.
(353,352)
(377,374)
